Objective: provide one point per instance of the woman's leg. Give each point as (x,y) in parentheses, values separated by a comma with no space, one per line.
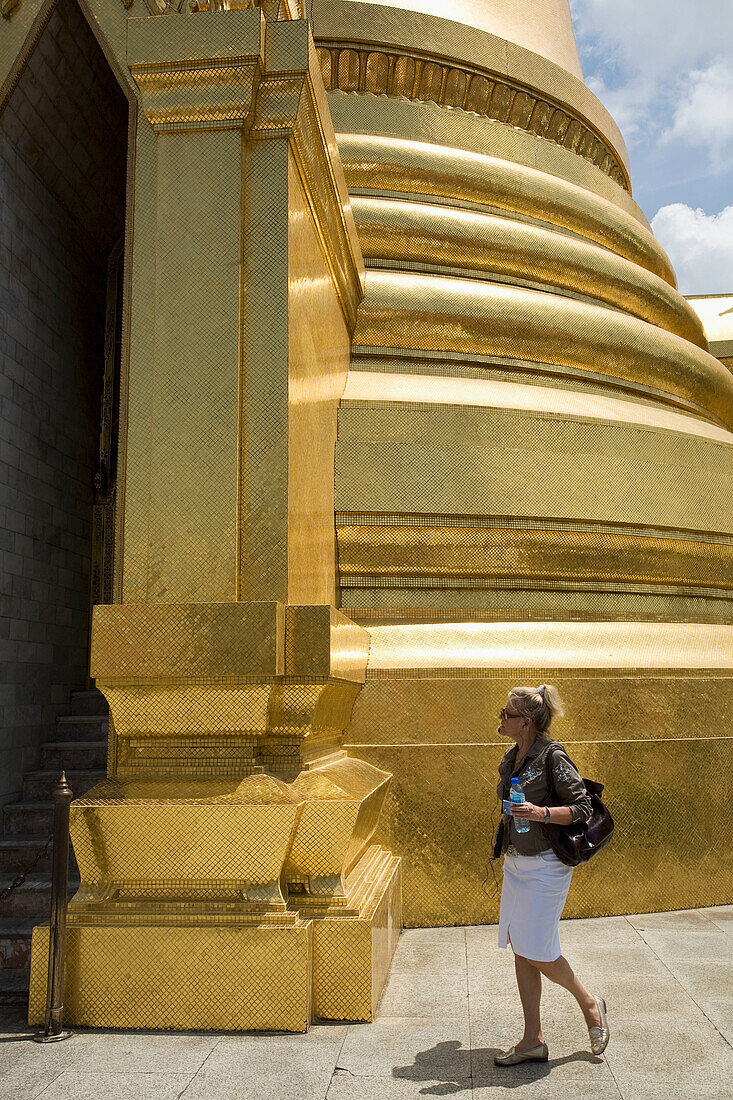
(561,972)
(529,982)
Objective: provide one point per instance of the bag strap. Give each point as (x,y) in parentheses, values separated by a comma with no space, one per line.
(549,774)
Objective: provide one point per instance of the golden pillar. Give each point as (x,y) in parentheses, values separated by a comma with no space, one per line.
(534,463)
(229,879)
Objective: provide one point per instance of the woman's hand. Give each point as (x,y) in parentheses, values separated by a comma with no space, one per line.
(528,811)
(561,815)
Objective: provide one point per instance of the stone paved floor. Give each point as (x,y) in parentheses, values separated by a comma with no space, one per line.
(450,1004)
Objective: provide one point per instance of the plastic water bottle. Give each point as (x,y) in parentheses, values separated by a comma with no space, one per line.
(516,794)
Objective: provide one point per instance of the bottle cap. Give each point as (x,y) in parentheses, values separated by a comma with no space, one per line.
(515,779)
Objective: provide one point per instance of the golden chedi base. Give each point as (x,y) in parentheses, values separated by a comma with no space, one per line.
(638,720)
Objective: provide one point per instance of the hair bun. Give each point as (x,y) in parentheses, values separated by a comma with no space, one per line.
(540,704)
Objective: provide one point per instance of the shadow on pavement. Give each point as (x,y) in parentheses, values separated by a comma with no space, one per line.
(446,1064)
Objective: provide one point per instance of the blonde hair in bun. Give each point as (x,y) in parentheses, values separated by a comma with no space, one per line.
(540,705)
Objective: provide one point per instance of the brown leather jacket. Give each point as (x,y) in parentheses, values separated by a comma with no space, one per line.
(533,781)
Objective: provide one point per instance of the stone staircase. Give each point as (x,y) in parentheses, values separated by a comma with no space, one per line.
(79,749)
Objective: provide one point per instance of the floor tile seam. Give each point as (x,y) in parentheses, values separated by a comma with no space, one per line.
(446,1016)
(695,937)
(336,1066)
(402,976)
(97,1072)
(627,918)
(608,1062)
(688,994)
(426,945)
(410,982)
(468,1006)
(669,926)
(711,932)
(413,946)
(443,1017)
(428,1017)
(37,1095)
(386,1077)
(717,910)
(491,1082)
(726,931)
(407,964)
(198,1071)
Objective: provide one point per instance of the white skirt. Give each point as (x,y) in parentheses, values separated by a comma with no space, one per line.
(533,895)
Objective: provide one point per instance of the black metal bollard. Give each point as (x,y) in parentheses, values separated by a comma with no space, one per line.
(53,1031)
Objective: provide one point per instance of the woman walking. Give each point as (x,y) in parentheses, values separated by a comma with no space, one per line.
(535,882)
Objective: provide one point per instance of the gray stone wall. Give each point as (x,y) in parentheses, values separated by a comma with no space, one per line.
(62,176)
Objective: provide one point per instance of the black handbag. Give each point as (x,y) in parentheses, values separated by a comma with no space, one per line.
(577,843)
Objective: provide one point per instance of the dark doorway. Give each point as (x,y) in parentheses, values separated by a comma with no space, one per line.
(63,154)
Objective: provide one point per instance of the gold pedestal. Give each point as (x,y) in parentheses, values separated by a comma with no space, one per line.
(179,879)
(185,864)
(219,971)
(353,945)
(219,976)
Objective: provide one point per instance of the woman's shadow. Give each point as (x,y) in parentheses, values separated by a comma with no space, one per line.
(455,1069)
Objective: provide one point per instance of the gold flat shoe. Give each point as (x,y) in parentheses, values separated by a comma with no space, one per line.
(599,1036)
(513,1056)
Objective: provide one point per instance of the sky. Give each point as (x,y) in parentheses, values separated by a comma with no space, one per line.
(664,69)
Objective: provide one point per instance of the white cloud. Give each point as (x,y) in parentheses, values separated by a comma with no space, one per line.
(704,114)
(699,245)
(654,64)
(628,106)
(655,37)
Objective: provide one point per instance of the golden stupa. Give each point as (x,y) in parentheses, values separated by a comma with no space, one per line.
(411,412)
(533,465)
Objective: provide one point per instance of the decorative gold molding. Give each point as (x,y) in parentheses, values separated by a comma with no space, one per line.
(216,79)
(273,9)
(196,77)
(405,233)
(313,165)
(159,7)
(466,554)
(213,691)
(437,313)
(364,67)
(524,523)
(379,164)
(459,649)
